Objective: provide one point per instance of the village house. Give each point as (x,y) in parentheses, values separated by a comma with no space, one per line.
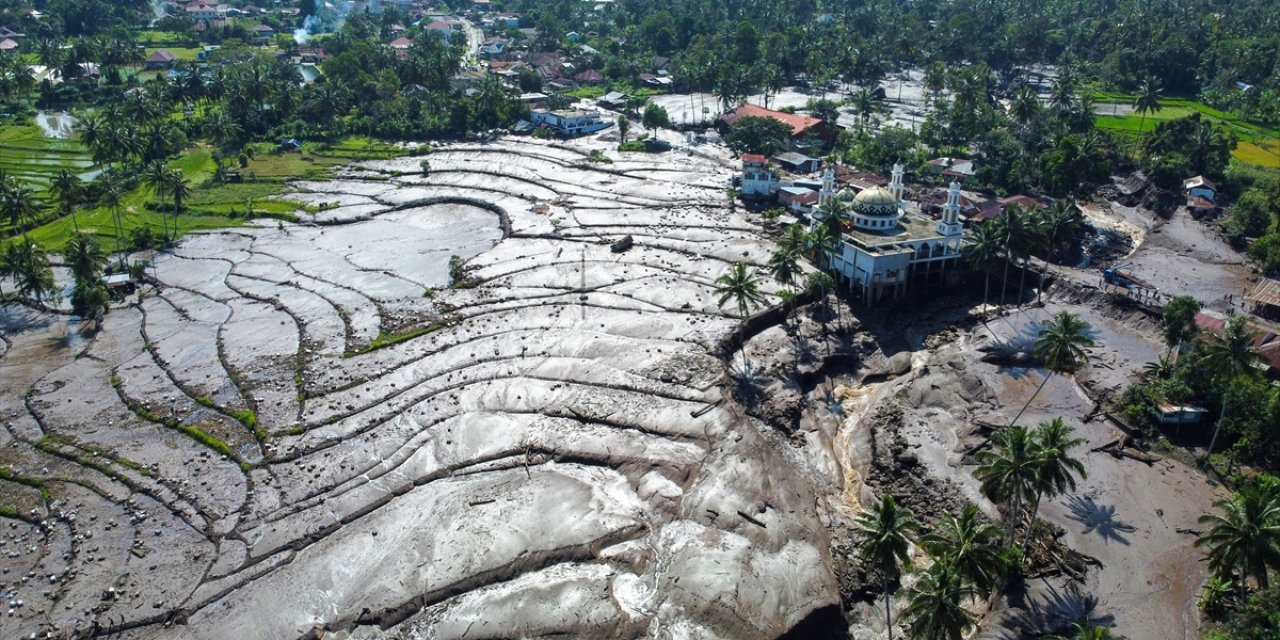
(797,198)
(442,28)
(805,131)
(614,100)
(8,44)
(1202,195)
(569,123)
(590,77)
(797,162)
(263,33)
(401,47)
(890,248)
(161,59)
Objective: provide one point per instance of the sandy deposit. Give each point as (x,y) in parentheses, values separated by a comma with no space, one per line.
(554,455)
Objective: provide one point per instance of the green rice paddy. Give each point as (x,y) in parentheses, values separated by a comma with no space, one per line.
(1258,144)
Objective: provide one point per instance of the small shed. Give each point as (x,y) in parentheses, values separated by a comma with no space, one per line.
(615,100)
(1200,187)
(160,60)
(1265,298)
(797,162)
(1169,413)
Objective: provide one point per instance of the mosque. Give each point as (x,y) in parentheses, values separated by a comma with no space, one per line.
(890,247)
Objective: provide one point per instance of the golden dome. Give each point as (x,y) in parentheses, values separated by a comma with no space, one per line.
(876,201)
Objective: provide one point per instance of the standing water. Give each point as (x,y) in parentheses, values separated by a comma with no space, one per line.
(56,124)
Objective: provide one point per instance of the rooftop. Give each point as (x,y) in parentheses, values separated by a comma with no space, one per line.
(798,123)
(910,228)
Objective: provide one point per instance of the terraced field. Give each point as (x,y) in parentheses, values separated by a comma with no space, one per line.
(305,429)
(26,153)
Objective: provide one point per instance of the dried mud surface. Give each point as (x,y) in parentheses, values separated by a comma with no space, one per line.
(304,432)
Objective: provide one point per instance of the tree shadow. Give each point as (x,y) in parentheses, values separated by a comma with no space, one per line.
(1100,519)
(1051,610)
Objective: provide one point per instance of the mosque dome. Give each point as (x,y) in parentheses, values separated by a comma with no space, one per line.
(876,201)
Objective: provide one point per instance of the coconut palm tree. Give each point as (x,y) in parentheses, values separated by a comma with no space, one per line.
(1063,347)
(1085,631)
(84,256)
(784,266)
(19,206)
(1024,106)
(882,540)
(820,243)
(794,239)
(970,546)
(1228,357)
(1017,236)
(180,188)
(1147,101)
(835,215)
(28,265)
(1056,469)
(934,610)
(1008,473)
(740,286)
(111,197)
(982,252)
(1059,223)
(1244,540)
(68,191)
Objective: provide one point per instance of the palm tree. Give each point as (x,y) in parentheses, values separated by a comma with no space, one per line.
(882,540)
(18,204)
(784,266)
(29,266)
(1057,224)
(820,243)
(740,285)
(794,239)
(1008,472)
(1244,540)
(934,610)
(835,215)
(1017,235)
(180,188)
(1086,631)
(1024,105)
(970,546)
(112,197)
(1063,347)
(1228,357)
(1056,469)
(982,252)
(84,257)
(1147,101)
(67,190)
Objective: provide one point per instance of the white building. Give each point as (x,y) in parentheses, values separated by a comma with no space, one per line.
(569,123)
(889,245)
(757,180)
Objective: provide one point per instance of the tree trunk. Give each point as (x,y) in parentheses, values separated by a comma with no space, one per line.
(1032,399)
(1035,509)
(888,615)
(1222,416)
(1004,279)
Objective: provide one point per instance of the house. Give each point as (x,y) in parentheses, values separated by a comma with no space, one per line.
(889,248)
(995,208)
(1202,195)
(494,47)
(561,84)
(1265,339)
(506,21)
(442,28)
(955,168)
(1265,298)
(8,44)
(797,162)
(756,181)
(803,128)
(161,59)
(7,33)
(797,198)
(401,47)
(569,123)
(590,77)
(615,100)
(534,100)
(199,11)
(658,82)
(573,36)
(858,180)
(263,33)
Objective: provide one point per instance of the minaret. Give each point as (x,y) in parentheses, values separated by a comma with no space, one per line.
(828,187)
(950,225)
(895,184)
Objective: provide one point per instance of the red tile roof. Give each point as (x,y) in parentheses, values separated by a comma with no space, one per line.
(754,157)
(798,123)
